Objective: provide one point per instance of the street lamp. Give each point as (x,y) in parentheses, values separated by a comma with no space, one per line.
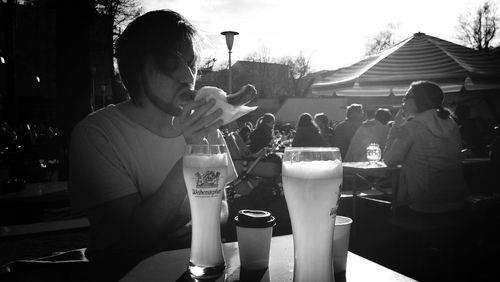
(229,42)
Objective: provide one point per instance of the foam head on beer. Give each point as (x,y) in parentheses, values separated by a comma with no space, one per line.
(233,106)
(313,169)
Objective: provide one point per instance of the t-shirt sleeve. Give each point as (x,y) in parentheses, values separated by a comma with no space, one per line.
(96,172)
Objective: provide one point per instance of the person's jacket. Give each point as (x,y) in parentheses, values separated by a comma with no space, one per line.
(371,131)
(428,148)
(260,138)
(308,136)
(343,133)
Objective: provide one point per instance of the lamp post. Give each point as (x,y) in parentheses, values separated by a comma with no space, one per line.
(229,42)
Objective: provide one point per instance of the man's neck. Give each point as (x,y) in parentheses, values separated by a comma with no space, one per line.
(150,117)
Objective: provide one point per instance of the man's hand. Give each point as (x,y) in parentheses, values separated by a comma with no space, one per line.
(194,124)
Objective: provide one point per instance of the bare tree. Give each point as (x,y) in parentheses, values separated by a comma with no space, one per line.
(121,12)
(383,40)
(268,73)
(260,56)
(273,77)
(298,68)
(479,29)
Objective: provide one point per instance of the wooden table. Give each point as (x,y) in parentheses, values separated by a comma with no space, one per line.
(171,265)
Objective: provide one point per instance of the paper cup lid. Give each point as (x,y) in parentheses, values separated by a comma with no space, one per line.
(254,219)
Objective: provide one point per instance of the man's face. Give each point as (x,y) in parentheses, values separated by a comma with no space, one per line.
(166,91)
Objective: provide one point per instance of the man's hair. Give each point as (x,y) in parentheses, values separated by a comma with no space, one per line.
(160,35)
(383,115)
(353,109)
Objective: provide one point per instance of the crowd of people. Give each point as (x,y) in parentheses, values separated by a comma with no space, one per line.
(424,137)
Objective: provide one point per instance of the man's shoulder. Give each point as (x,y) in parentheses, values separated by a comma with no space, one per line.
(105,119)
(100,115)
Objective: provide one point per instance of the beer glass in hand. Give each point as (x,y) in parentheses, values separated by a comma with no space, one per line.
(311,181)
(205,172)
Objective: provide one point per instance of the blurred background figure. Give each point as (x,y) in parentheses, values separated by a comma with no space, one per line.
(475,132)
(371,131)
(244,133)
(345,129)
(308,133)
(263,134)
(250,125)
(326,131)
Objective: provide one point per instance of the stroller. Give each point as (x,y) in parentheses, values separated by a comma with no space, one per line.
(259,173)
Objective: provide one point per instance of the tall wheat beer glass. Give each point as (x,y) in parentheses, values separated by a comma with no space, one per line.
(311,180)
(205,172)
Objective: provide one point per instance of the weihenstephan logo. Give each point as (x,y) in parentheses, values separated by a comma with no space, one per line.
(206,182)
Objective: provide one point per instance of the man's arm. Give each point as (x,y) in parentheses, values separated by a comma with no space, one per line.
(143,223)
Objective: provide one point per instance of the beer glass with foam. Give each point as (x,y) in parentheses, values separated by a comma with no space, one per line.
(312,178)
(205,172)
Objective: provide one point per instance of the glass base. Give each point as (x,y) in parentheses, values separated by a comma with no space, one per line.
(205,272)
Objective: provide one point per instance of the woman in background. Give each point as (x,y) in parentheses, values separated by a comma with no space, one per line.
(308,133)
(426,141)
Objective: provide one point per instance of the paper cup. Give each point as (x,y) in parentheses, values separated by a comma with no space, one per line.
(254,230)
(341,242)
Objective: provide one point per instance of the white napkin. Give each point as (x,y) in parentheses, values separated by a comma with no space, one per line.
(229,112)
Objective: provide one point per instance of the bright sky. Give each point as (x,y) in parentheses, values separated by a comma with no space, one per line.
(333,33)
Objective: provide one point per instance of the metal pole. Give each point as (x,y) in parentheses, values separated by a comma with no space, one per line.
(229,42)
(230,90)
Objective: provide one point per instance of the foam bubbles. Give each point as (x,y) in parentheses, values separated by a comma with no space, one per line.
(313,169)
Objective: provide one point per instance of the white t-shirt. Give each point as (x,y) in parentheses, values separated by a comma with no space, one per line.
(112,156)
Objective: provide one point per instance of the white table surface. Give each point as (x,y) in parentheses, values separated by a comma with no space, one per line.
(170,265)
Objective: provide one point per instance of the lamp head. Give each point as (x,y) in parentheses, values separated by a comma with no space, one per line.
(229,38)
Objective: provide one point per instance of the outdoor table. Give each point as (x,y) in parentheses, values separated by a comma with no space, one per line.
(171,266)
(480,175)
(36,197)
(371,174)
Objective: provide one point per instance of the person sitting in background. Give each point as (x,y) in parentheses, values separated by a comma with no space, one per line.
(263,134)
(344,130)
(475,132)
(326,131)
(244,133)
(371,131)
(250,125)
(242,140)
(308,133)
(426,141)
